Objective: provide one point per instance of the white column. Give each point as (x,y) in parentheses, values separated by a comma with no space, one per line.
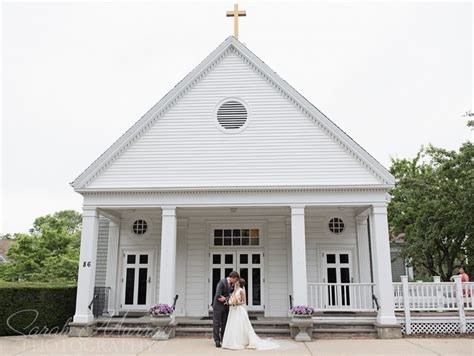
(363,248)
(298,256)
(168,256)
(112,263)
(382,267)
(87,267)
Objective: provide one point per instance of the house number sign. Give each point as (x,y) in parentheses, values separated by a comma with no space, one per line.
(86,264)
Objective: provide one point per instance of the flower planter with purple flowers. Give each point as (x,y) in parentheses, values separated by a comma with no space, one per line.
(161,318)
(161,309)
(302,310)
(301,322)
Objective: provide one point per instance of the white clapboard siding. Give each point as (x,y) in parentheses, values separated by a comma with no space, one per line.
(102,246)
(197,268)
(319,238)
(181,266)
(150,242)
(280,146)
(276,274)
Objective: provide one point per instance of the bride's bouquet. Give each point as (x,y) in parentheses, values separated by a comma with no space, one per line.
(234,301)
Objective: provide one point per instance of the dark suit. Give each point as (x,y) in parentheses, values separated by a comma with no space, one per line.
(220,311)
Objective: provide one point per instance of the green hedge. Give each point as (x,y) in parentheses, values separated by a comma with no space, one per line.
(33,308)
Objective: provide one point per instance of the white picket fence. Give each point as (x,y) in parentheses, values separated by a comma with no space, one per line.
(434,296)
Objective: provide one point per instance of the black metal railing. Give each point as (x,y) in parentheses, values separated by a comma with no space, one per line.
(374,298)
(174,301)
(99,303)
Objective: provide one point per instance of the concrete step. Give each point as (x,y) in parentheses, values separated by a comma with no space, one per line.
(255,326)
(344,335)
(125,332)
(352,326)
(126,321)
(123,325)
(266,324)
(344,331)
(253,322)
(110,328)
(190,331)
(209,330)
(185,327)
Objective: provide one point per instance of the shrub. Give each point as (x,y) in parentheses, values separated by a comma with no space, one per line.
(33,308)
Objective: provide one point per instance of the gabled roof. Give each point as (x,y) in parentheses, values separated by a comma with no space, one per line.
(231,43)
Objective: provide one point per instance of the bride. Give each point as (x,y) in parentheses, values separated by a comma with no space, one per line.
(239,333)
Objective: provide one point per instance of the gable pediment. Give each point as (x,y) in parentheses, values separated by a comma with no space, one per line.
(286,141)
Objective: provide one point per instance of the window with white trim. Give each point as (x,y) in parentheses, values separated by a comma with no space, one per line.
(139,227)
(336,226)
(236,237)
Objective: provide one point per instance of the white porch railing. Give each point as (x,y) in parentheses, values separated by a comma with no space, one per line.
(341,296)
(468,295)
(419,298)
(426,296)
(434,296)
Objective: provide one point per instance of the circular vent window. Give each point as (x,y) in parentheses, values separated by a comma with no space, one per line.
(336,225)
(140,227)
(232,115)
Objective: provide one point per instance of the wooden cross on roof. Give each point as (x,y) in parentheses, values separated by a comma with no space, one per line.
(236,14)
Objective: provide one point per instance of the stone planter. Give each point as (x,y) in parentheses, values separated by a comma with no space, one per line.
(164,327)
(301,327)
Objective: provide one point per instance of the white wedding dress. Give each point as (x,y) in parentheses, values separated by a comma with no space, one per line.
(239,333)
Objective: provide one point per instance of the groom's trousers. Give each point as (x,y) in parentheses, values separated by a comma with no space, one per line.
(219,319)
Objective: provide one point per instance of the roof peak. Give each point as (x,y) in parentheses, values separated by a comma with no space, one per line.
(198,73)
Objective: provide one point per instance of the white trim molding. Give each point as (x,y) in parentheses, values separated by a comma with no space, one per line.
(143,199)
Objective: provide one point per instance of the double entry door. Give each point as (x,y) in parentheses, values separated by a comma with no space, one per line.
(136,279)
(248,263)
(337,272)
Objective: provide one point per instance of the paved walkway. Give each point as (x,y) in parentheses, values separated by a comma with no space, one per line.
(63,345)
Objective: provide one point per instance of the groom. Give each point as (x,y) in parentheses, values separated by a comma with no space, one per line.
(220,306)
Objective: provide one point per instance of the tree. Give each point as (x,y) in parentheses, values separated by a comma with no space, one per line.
(433,204)
(50,252)
(7,237)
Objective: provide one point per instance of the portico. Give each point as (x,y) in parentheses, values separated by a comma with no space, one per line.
(188,250)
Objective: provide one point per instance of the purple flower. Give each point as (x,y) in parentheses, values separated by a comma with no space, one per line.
(161,309)
(302,310)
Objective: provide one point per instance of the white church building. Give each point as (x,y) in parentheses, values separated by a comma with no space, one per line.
(235,170)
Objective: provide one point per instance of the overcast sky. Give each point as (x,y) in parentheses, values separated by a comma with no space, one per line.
(394,76)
